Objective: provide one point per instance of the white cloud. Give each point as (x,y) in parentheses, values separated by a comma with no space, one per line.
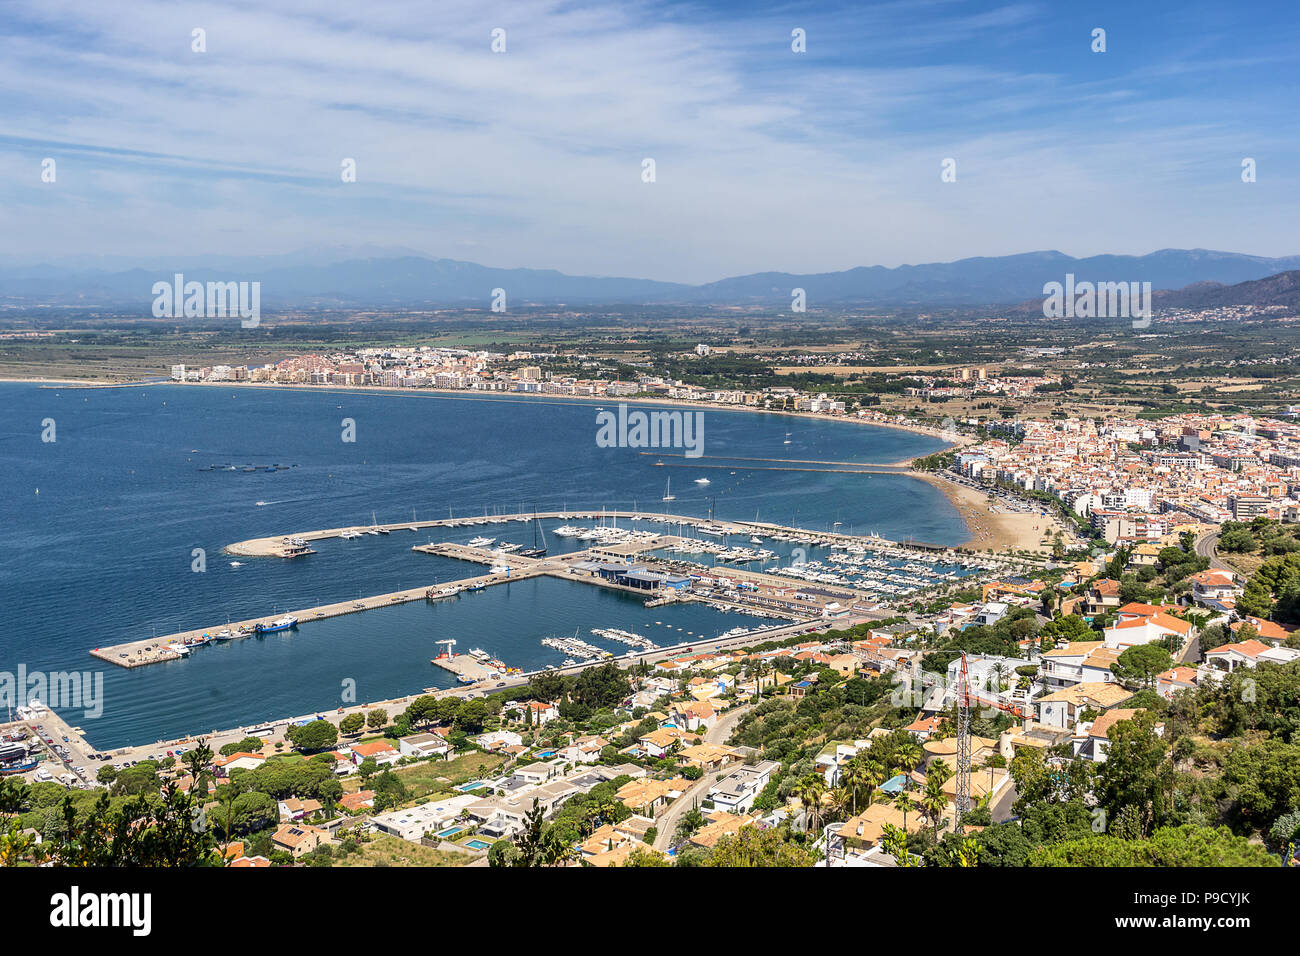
(532,158)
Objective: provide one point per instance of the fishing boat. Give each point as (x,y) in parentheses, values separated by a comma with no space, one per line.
(280,624)
(12,768)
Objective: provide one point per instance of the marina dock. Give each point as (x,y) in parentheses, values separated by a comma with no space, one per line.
(462,665)
(725,586)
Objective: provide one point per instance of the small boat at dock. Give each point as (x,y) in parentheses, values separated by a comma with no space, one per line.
(280,624)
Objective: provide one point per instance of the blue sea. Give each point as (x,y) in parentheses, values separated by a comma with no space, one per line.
(99,528)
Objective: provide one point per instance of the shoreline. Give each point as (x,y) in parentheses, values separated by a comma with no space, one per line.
(493,395)
(972,512)
(990,530)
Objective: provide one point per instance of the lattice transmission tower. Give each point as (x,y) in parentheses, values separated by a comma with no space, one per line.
(963,744)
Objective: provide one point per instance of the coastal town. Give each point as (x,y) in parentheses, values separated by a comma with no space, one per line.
(930,728)
(441,440)
(1060,688)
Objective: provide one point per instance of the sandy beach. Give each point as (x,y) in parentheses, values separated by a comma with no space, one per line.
(991,529)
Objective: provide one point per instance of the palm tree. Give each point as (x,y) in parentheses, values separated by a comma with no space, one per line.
(1000,672)
(939,770)
(853,776)
(604,809)
(873,775)
(907,757)
(809,790)
(840,798)
(934,801)
(903,801)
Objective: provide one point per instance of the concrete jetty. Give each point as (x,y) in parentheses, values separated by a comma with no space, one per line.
(155,650)
(274,545)
(462,665)
(764,593)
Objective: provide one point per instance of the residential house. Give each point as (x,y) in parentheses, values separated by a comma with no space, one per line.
(380,750)
(693,715)
(1097,742)
(719,824)
(648,797)
(1228,657)
(1175,679)
(1101,598)
(1212,588)
(736,791)
(863,832)
(1264,630)
(241,760)
(423,745)
(358,802)
(659,743)
(414,822)
(583,750)
(1062,708)
(291,808)
(298,839)
(498,740)
(1147,630)
(708,757)
(1063,666)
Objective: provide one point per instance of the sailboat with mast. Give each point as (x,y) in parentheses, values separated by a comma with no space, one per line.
(668,491)
(535,551)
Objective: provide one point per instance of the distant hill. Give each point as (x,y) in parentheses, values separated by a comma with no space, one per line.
(391,279)
(989,281)
(1281,289)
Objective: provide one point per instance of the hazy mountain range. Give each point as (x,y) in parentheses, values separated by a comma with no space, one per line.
(383,278)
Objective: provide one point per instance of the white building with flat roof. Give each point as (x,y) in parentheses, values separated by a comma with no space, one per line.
(414,822)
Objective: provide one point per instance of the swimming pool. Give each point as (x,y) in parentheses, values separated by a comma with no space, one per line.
(472,785)
(449,831)
(477,844)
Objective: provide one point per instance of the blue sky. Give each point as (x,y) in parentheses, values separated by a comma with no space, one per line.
(765,159)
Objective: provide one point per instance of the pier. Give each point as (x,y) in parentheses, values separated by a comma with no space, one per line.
(273,546)
(156,651)
(724,586)
(462,665)
(573,566)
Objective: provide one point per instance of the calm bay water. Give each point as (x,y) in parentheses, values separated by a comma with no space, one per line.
(98,528)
